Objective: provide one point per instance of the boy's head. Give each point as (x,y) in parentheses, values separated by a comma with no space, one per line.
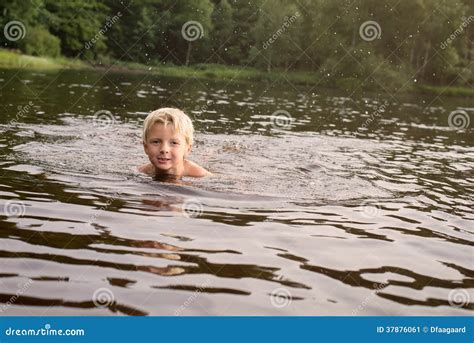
(178,120)
(167,138)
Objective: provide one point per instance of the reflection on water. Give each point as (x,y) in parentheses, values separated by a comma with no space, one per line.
(309,216)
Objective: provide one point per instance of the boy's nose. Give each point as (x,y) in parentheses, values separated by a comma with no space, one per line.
(164,148)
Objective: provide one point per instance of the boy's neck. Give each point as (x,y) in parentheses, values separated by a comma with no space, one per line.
(176,172)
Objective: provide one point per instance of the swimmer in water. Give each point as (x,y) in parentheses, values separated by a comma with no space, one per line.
(167,140)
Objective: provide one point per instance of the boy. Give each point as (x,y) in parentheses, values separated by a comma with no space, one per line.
(167,140)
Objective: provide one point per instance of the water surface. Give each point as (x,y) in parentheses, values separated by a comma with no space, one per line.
(309,213)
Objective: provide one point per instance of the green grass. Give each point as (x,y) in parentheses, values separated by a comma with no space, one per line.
(221,72)
(452,91)
(12,59)
(201,71)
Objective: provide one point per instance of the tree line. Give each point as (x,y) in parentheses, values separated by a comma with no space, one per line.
(343,41)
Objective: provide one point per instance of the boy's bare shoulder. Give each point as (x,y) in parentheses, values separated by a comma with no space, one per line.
(195,170)
(146,168)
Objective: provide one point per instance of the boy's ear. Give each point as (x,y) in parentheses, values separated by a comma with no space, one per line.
(189,148)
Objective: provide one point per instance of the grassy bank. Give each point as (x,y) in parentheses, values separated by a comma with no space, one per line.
(440,90)
(11,59)
(223,72)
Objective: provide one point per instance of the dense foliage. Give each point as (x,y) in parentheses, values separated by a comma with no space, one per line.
(428,41)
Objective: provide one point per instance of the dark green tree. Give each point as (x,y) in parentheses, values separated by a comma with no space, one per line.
(223,29)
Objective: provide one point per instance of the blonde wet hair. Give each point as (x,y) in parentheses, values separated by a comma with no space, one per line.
(181,123)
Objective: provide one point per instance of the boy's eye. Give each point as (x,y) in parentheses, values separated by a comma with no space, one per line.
(175,143)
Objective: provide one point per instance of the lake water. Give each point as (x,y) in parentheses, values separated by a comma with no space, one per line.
(322,203)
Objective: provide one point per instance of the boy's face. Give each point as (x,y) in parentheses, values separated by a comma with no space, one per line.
(166,149)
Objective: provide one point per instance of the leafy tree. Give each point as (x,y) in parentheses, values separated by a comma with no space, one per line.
(222,31)
(190,26)
(140,35)
(245,14)
(24,12)
(431,41)
(275,34)
(41,42)
(76,22)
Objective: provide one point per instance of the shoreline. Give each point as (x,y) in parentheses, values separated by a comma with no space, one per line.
(13,60)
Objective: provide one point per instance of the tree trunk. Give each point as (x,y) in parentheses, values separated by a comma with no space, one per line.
(412,54)
(425,61)
(353,38)
(466,48)
(269,64)
(188,54)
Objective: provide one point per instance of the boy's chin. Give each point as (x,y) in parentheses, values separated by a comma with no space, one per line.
(162,169)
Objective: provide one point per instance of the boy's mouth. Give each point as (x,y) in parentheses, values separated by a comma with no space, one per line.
(163,159)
